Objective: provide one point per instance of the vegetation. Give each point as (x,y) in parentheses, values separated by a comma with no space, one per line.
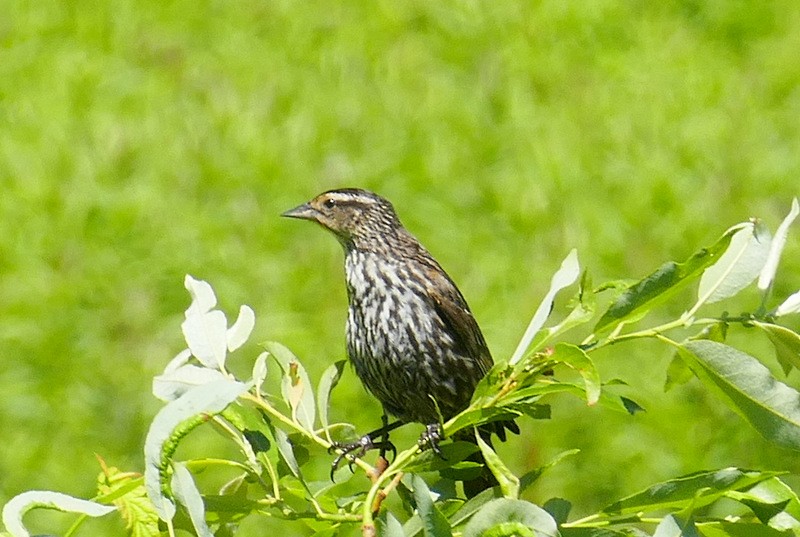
(145,140)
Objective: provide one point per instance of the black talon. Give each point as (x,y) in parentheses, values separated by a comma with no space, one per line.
(356,450)
(430,438)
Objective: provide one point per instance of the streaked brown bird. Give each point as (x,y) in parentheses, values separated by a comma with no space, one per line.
(411,336)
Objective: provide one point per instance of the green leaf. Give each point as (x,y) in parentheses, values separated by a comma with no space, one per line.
(328,381)
(581,313)
(576,358)
(472,506)
(659,286)
(509,483)
(391,527)
(434,522)
(739,266)
(566,275)
(287,452)
(509,517)
(296,387)
(748,387)
(786,343)
(738,529)
(773,503)
(696,490)
(670,526)
(678,371)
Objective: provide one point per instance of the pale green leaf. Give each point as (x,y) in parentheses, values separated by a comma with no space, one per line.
(747,386)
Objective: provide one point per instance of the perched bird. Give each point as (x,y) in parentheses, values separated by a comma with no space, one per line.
(411,336)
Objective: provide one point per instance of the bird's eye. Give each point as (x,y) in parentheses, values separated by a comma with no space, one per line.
(330,203)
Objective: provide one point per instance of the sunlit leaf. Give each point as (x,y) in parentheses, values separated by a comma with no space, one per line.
(203,298)
(201,401)
(564,276)
(287,452)
(434,522)
(296,387)
(748,387)
(260,371)
(172,385)
(790,305)
(205,334)
(659,286)
(15,509)
(328,381)
(776,249)
(238,333)
(186,493)
(738,266)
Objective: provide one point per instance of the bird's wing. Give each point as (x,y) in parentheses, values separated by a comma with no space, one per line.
(457,318)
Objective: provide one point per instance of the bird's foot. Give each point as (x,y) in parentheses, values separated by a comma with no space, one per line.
(430,438)
(355,450)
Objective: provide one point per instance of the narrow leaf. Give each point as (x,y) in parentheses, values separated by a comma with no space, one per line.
(581,313)
(205,333)
(574,357)
(287,452)
(186,493)
(738,266)
(747,386)
(238,333)
(330,378)
(211,399)
(776,249)
(564,276)
(697,490)
(203,298)
(786,343)
(790,305)
(15,509)
(433,521)
(659,286)
(509,483)
(296,387)
(260,371)
(505,516)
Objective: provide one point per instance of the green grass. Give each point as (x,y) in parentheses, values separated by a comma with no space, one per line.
(140,141)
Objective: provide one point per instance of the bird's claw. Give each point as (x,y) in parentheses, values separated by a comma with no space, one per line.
(355,450)
(430,438)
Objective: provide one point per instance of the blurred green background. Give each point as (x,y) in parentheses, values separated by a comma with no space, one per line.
(143,140)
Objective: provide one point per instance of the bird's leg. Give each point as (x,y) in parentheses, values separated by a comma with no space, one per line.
(431,437)
(359,448)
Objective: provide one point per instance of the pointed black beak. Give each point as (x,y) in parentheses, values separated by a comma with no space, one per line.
(304,212)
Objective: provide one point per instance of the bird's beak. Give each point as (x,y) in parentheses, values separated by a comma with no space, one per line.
(304,212)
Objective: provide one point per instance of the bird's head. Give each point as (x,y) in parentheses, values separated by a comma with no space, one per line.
(358,218)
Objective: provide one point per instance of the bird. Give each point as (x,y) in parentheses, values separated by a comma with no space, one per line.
(410,334)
